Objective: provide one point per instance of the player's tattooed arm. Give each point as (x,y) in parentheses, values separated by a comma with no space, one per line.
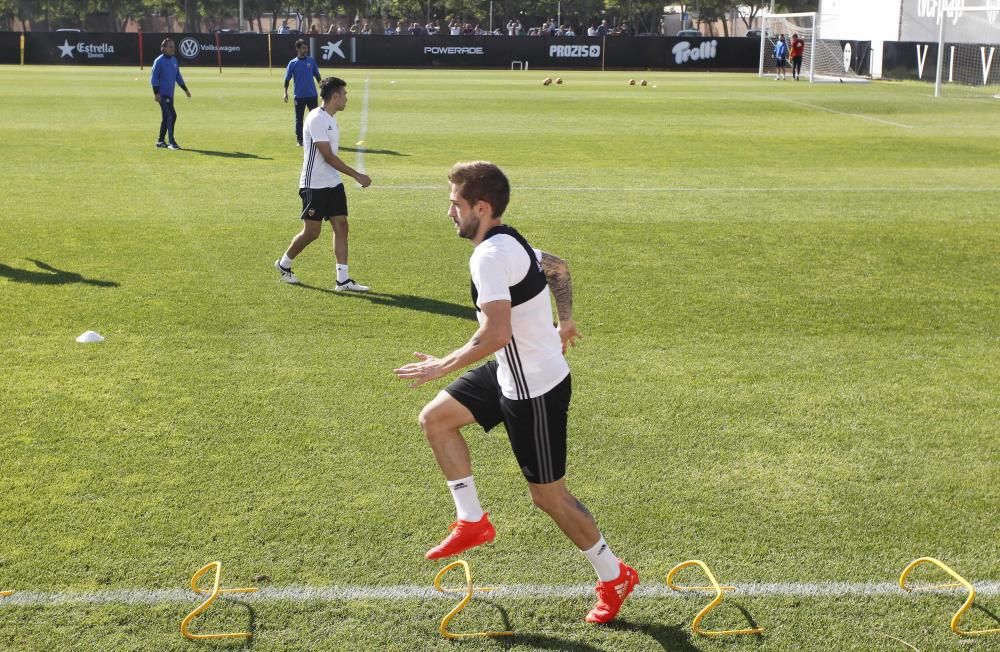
(557,274)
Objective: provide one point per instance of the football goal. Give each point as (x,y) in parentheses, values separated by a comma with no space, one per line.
(822,60)
(968,69)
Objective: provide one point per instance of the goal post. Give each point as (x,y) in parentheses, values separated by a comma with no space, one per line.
(968,68)
(822,60)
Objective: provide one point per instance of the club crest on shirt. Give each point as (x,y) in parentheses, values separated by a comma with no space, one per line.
(312,212)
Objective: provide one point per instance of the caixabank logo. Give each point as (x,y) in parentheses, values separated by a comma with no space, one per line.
(85,50)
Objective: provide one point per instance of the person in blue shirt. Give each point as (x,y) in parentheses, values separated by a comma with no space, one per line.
(167,74)
(780,57)
(303,70)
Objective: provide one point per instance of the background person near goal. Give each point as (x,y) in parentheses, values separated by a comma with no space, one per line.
(527,387)
(321,188)
(780,57)
(797,49)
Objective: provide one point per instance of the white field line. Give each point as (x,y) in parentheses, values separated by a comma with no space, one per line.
(850,115)
(413,592)
(653,189)
(363,131)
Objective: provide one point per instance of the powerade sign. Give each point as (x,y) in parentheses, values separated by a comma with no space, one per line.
(458,51)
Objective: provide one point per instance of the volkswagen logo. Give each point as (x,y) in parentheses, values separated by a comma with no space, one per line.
(189,48)
(847,57)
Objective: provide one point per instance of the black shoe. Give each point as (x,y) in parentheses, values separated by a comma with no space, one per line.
(160,144)
(173,146)
(299,143)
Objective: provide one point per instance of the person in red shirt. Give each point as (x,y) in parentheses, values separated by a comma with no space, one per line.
(798,47)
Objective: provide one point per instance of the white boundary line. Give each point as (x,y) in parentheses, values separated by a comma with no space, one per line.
(413,592)
(363,130)
(851,115)
(795,189)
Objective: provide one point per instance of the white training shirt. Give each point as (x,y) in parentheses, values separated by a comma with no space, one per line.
(320,126)
(535,351)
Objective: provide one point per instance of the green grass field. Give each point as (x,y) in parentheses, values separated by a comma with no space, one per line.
(790,298)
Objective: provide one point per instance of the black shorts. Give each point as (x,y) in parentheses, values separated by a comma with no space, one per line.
(536,427)
(323,203)
(780,62)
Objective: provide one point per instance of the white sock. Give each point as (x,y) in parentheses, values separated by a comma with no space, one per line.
(286,262)
(342,273)
(466,498)
(603,560)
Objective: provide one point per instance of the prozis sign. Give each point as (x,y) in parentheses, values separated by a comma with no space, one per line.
(84,50)
(574,51)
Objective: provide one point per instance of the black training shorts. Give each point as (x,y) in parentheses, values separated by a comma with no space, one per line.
(323,203)
(536,427)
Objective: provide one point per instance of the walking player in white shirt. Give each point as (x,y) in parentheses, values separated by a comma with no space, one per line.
(320,186)
(527,388)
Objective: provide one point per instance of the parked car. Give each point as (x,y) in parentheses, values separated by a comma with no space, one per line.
(753,33)
(689,33)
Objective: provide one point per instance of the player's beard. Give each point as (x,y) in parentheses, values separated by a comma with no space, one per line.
(469,230)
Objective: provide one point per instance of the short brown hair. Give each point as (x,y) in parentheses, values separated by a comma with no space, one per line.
(163,43)
(329,86)
(482,180)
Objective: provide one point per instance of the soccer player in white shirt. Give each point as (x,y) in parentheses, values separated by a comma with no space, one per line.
(320,186)
(527,388)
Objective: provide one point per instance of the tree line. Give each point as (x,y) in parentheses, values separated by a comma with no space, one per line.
(640,16)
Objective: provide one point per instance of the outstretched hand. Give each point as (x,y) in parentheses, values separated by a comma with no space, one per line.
(568,334)
(428,368)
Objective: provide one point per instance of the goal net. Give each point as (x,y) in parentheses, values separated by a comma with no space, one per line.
(970,68)
(822,60)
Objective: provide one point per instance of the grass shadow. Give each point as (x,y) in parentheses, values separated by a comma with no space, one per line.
(537,641)
(670,637)
(387,152)
(407,301)
(234,643)
(209,152)
(978,607)
(49,276)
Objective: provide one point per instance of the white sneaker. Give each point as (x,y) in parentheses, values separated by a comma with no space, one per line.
(350,284)
(286,274)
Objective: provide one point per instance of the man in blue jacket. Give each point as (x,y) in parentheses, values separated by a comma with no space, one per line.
(167,74)
(303,70)
(780,57)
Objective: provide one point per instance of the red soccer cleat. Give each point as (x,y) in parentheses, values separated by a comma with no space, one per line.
(611,595)
(464,535)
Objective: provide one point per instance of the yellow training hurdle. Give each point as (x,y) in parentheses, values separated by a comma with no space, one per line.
(212,596)
(468,591)
(962,582)
(719,595)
